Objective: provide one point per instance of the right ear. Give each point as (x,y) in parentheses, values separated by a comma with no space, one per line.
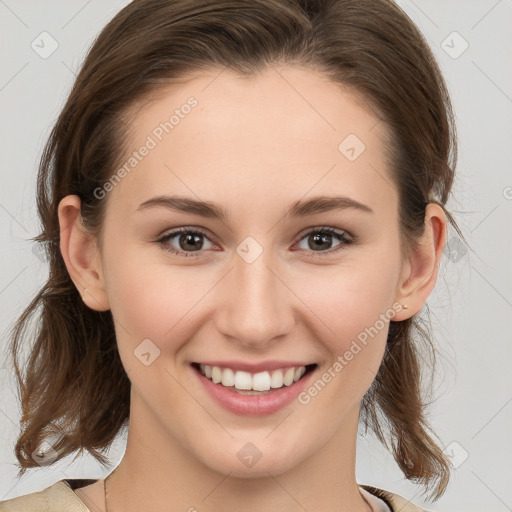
(81,255)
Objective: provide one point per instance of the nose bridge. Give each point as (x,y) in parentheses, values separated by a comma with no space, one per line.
(256,309)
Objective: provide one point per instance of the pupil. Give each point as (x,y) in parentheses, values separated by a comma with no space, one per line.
(190,238)
(324,238)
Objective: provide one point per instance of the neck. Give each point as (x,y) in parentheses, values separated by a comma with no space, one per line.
(158,472)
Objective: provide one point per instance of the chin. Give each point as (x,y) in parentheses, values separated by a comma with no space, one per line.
(243,459)
(260,469)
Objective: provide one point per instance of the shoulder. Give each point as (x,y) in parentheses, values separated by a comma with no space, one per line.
(58,497)
(394,501)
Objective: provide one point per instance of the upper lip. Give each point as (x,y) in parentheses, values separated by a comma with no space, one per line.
(254,367)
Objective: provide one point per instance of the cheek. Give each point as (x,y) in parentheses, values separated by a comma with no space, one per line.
(355,341)
(354,308)
(153,301)
(352,298)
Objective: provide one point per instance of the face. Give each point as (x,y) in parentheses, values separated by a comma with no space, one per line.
(271,283)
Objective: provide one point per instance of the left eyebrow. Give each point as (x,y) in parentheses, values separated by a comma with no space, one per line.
(312,206)
(322,204)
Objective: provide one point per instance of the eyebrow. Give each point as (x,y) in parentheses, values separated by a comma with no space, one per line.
(319,204)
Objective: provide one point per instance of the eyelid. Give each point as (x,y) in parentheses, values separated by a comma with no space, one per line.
(324,229)
(344,236)
(184,229)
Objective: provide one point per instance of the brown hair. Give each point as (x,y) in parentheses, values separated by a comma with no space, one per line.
(75,386)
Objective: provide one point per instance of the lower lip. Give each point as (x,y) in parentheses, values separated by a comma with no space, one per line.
(253,405)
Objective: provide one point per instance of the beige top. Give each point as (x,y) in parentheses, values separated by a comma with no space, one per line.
(60,497)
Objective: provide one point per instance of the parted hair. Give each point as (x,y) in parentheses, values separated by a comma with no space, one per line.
(72,385)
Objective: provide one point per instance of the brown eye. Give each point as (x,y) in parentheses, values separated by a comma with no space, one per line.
(321,240)
(184,241)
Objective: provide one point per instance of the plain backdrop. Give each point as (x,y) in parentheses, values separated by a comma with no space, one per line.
(471,306)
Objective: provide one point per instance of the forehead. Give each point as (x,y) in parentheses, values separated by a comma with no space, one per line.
(282,132)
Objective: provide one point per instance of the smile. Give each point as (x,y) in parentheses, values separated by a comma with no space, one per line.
(242,381)
(254,393)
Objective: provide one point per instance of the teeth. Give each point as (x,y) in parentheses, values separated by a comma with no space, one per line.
(216,374)
(276,381)
(288,376)
(262,381)
(243,380)
(228,377)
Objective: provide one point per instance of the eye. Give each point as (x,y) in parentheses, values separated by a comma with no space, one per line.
(189,241)
(319,240)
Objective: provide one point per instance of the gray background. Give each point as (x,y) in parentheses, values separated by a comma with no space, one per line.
(471,306)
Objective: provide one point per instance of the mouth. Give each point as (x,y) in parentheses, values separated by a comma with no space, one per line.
(247,383)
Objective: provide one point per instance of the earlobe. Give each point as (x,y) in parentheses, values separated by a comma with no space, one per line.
(420,271)
(80,255)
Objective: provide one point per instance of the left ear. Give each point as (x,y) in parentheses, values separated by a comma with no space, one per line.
(419,274)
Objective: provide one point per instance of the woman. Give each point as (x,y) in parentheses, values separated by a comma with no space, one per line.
(243,205)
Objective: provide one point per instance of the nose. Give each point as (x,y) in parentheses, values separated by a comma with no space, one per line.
(257,307)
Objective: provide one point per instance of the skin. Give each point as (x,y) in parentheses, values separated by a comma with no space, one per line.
(255,146)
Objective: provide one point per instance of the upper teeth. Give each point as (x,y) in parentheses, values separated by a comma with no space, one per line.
(262,381)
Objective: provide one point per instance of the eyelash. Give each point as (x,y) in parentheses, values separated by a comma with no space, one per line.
(343,236)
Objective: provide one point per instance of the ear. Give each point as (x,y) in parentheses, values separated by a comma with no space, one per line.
(419,272)
(81,255)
